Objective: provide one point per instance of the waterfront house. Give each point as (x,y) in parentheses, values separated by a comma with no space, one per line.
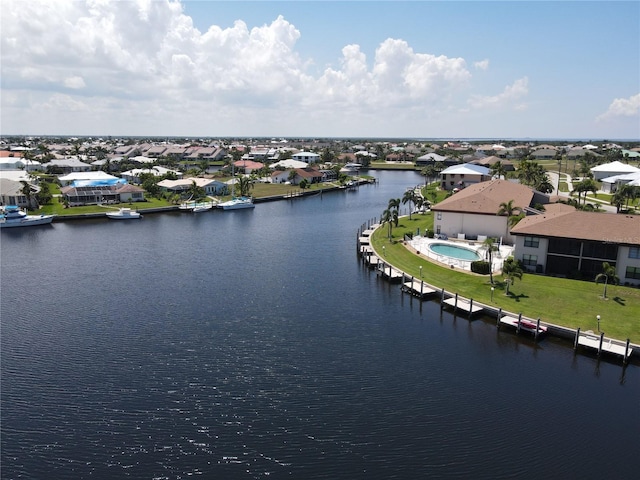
(472,213)
(11,193)
(311,175)
(78,195)
(571,243)
(210,186)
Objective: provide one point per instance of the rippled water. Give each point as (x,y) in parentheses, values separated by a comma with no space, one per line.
(253,344)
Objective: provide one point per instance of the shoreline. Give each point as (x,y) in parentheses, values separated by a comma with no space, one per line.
(576,336)
(176,208)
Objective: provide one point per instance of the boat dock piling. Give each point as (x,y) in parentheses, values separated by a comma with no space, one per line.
(423,290)
(599,344)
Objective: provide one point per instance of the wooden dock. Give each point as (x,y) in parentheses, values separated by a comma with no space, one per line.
(601,344)
(417,288)
(523,324)
(462,304)
(393,275)
(366,250)
(372,261)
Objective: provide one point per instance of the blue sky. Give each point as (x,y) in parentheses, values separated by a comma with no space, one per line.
(327,68)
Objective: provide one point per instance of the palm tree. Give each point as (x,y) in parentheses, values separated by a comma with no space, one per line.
(387,218)
(430,172)
(511,270)
(498,170)
(195,192)
(394,207)
(608,274)
(27,192)
(509,210)
(245,184)
(490,247)
(585,186)
(390,214)
(409,197)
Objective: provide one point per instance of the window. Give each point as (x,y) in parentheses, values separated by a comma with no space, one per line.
(531,260)
(531,242)
(439,215)
(632,273)
(634,252)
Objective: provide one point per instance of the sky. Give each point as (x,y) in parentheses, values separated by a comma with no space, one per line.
(358,69)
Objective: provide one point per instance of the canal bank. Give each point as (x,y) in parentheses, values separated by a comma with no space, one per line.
(584,341)
(290,195)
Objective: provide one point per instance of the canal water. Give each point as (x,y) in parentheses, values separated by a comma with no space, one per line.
(254,344)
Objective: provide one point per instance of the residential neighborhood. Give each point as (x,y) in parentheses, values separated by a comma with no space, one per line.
(558,232)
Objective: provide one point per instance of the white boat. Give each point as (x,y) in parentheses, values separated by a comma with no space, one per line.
(13,216)
(237,203)
(201,208)
(124,214)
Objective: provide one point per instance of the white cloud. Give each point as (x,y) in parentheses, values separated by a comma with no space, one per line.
(622,107)
(482,64)
(74,82)
(145,57)
(509,97)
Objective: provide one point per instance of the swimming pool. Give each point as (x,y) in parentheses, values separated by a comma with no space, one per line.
(454,251)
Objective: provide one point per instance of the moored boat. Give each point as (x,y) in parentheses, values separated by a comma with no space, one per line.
(201,208)
(237,203)
(124,214)
(13,216)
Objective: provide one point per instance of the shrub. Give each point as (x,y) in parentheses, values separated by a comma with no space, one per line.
(481,266)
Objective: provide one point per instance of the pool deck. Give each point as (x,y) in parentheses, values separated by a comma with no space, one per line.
(421,246)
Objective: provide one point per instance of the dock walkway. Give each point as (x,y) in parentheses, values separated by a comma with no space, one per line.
(458,303)
(601,344)
(418,288)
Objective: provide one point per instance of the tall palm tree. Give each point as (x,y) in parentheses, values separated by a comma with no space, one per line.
(508,209)
(244,184)
(498,170)
(489,246)
(386,217)
(409,197)
(585,186)
(511,270)
(609,275)
(390,214)
(27,192)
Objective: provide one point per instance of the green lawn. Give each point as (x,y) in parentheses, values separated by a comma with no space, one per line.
(571,303)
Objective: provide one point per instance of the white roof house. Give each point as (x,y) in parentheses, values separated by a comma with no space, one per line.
(289,163)
(614,168)
(85,176)
(308,157)
(157,171)
(68,164)
(611,184)
(460,176)
(19,163)
(210,186)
